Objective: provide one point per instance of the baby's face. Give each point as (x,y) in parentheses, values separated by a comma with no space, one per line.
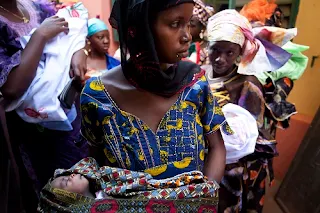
(74,183)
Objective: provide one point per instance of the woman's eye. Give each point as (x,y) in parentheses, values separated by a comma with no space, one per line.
(175,24)
(230,53)
(100,37)
(214,50)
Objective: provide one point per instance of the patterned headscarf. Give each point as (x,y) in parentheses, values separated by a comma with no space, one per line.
(202,12)
(132,19)
(261,47)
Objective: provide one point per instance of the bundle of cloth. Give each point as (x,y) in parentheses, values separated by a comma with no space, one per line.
(86,187)
(279,83)
(40,103)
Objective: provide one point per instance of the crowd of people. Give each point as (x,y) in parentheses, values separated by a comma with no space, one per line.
(184,121)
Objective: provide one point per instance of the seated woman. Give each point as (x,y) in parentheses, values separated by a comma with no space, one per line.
(198,50)
(236,54)
(108,184)
(98,45)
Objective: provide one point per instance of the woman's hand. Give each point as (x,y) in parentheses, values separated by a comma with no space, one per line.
(79,65)
(51,27)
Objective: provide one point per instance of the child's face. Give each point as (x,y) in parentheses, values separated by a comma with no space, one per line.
(74,183)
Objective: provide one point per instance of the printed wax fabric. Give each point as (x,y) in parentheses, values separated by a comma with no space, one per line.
(129,190)
(243,184)
(176,147)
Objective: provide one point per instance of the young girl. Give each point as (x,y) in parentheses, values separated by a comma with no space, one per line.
(98,46)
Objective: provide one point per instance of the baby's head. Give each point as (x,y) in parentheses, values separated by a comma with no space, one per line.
(75,183)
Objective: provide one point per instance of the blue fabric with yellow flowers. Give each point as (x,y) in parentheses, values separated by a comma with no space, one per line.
(177,146)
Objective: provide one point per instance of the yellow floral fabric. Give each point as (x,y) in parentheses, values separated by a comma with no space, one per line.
(177,146)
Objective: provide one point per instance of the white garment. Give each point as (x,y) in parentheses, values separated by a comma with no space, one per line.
(244,126)
(40,103)
(117,55)
(193,57)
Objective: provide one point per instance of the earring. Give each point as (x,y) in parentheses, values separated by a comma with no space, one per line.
(178,56)
(201,35)
(88,44)
(238,60)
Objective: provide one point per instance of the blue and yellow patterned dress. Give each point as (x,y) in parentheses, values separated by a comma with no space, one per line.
(177,146)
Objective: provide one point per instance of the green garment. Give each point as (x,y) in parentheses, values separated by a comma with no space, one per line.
(192,48)
(293,69)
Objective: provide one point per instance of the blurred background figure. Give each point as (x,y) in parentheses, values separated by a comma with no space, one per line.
(263,13)
(198,27)
(98,44)
(34,146)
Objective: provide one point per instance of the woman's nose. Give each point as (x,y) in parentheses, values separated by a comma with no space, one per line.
(72,175)
(220,59)
(186,36)
(105,40)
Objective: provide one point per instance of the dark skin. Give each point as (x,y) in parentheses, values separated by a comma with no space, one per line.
(171,25)
(195,29)
(100,43)
(21,76)
(223,55)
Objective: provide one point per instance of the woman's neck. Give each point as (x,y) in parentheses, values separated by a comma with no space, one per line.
(229,72)
(96,55)
(164,66)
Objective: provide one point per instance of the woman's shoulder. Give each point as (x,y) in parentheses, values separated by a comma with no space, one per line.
(93,90)
(112,62)
(197,91)
(252,79)
(94,98)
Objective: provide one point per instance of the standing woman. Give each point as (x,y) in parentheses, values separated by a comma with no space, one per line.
(154,113)
(236,54)
(98,45)
(42,150)
(198,50)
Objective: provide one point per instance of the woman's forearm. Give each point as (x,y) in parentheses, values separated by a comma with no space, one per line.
(21,76)
(215,164)
(216,159)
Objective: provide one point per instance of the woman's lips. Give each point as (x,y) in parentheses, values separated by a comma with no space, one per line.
(184,54)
